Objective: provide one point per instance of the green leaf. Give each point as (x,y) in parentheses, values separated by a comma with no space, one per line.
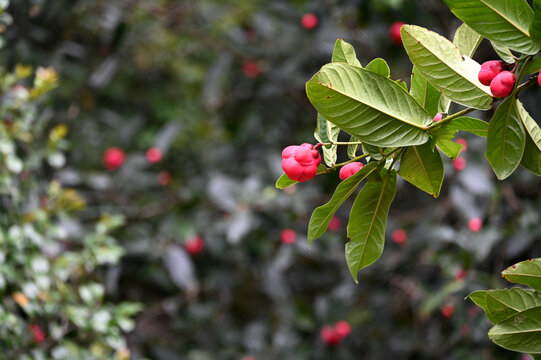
(426,95)
(364,104)
(283,181)
(444,139)
(422,167)
(505,139)
(440,62)
(352,148)
(501,304)
(531,160)
(402,84)
(532,129)
(469,124)
(525,272)
(479,298)
(367,221)
(505,22)
(533,66)
(535,26)
(321,217)
(373,151)
(379,66)
(520,332)
(344,52)
(504,53)
(467,40)
(327,132)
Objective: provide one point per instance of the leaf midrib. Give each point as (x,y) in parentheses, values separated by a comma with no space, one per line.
(424,169)
(505,18)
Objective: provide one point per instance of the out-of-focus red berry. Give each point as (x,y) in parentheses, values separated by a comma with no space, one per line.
(39,335)
(459,163)
(329,336)
(251,69)
(394,32)
(194,245)
(437,117)
(342,328)
(400,236)
(309,21)
(288,236)
(475,224)
(154,155)
(335,224)
(539,78)
(113,158)
(248,357)
(462,142)
(164,178)
(350,169)
(460,274)
(448,310)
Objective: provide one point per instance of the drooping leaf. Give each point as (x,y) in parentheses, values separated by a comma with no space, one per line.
(369,106)
(501,304)
(532,129)
(505,22)
(321,217)
(479,298)
(533,66)
(535,26)
(422,167)
(327,132)
(467,40)
(531,160)
(469,124)
(352,148)
(504,53)
(505,139)
(520,332)
(344,52)
(283,181)
(367,222)
(379,66)
(373,151)
(444,140)
(525,272)
(440,62)
(425,94)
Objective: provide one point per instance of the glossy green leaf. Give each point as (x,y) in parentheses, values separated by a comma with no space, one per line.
(327,132)
(283,181)
(506,139)
(504,53)
(525,272)
(479,298)
(422,167)
(367,222)
(440,62)
(520,332)
(533,66)
(505,22)
(467,40)
(425,94)
(531,160)
(352,148)
(501,304)
(469,124)
(321,217)
(373,151)
(402,84)
(444,140)
(344,52)
(535,26)
(532,129)
(369,106)
(380,67)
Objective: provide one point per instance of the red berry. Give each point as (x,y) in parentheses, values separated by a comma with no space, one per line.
(502,85)
(350,169)
(113,158)
(329,336)
(459,163)
(342,328)
(288,236)
(475,224)
(462,142)
(460,274)
(309,21)
(164,178)
(154,155)
(39,336)
(489,70)
(437,117)
(194,245)
(300,162)
(400,236)
(539,78)
(251,69)
(447,310)
(335,224)
(394,33)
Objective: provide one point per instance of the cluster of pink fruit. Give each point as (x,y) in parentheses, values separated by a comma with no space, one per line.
(114,158)
(333,335)
(494,73)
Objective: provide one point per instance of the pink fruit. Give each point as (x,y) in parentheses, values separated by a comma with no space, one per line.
(342,328)
(459,163)
(539,78)
(489,70)
(394,32)
(251,69)
(475,224)
(39,335)
(309,21)
(288,236)
(437,117)
(502,85)
(350,169)
(335,224)
(154,155)
(329,336)
(447,310)
(400,236)
(462,142)
(300,162)
(113,158)
(164,178)
(460,274)
(194,245)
